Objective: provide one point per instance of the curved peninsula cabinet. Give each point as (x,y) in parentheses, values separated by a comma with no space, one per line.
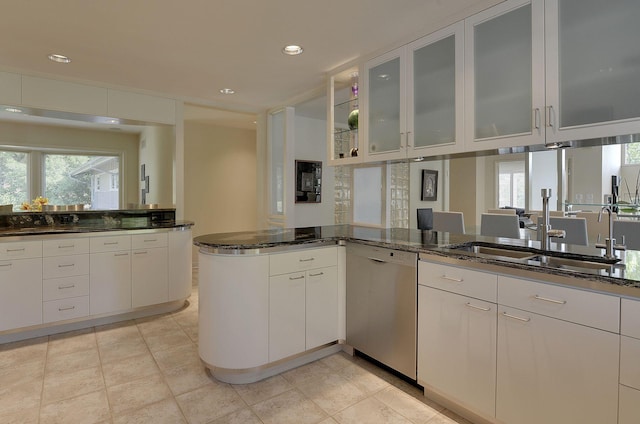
(264,310)
(57,279)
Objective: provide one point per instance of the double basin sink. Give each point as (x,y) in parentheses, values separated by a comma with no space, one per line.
(560,260)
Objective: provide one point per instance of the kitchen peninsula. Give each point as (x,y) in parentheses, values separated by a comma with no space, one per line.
(61,271)
(495,330)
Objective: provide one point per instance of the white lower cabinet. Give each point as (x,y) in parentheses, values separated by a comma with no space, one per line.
(629,406)
(20,293)
(149,278)
(286,315)
(180,245)
(321,300)
(550,369)
(110,282)
(457,347)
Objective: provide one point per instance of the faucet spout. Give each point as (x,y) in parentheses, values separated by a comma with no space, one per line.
(609,241)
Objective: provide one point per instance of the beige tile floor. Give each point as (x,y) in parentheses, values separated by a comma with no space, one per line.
(148,371)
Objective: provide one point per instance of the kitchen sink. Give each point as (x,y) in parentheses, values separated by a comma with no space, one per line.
(497,251)
(571,264)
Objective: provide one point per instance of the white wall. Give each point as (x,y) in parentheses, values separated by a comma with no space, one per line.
(220,178)
(310,144)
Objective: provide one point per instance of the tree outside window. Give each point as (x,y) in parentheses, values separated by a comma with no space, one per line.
(14,184)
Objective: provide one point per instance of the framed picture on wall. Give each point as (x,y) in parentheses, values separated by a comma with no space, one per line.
(429,185)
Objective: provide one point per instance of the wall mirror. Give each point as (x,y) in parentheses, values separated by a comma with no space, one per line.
(308,181)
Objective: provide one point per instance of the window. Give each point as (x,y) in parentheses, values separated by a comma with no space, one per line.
(631,154)
(14,184)
(511,184)
(63,178)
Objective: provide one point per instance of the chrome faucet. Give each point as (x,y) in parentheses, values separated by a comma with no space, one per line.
(609,245)
(545,230)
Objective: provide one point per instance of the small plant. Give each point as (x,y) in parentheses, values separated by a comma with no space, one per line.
(634,199)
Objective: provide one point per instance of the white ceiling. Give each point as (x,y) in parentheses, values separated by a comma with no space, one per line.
(190,49)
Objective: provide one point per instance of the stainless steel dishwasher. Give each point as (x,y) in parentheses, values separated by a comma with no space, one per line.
(382,305)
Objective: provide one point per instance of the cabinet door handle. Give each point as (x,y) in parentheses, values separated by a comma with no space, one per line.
(144,252)
(536,118)
(121,254)
(16,250)
(316,275)
(66,309)
(150,240)
(546,299)
(457,280)
(297,278)
(6,265)
(110,243)
(66,246)
(66,287)
(380,261)
(306,260)
(480,308)
(550,115)
(508,315)
(65,265)
(408,138)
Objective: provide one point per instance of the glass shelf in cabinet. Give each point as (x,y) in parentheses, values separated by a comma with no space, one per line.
(341,131)
(351,102)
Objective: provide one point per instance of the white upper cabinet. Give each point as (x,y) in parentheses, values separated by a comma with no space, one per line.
(141,107)
(504,87)
(10,88)
(343,108)
(413,96)
(435,93)
(593,68)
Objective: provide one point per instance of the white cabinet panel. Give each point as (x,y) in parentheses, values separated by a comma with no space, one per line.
(60,247)
(551,370)
(180,264)
(630,318)
(149,279)
(457,347)
(20,250)
(64,96)
(65,266)
(62,288)
(148,241)
(110,243)
(629,362)
(629,406)
(286,315)
(62,309)
(302,260)
(10,89)
(579,306)
(321,306)
(110,282)
(467,282)
(141,107)
(20,293)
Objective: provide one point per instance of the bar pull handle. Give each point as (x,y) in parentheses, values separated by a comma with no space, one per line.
(121,254)
(306,260)
(66,287)
(296,278)
(508,315)
(66,246)
(66,265)
(16,250)
(316,275)
(536,118)
(454,279)
(550,117)
(110,243)
(480,308)
(66,309)
(546,299)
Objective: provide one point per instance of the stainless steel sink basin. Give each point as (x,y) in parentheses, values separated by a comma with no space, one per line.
(504,252)
(571,264)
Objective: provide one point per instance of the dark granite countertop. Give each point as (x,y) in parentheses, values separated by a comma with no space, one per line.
(619,279)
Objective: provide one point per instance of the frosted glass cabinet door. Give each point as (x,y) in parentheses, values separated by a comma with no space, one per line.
(592,68)
(436,69)
(505,82)
(385,106)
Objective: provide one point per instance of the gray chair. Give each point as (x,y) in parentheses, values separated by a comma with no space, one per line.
(451,222)
(500,225)
(575,230)
(630,229)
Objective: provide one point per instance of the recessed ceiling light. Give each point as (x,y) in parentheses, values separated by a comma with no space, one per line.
(59,58)
(292,50)
(13,110)
(227,91)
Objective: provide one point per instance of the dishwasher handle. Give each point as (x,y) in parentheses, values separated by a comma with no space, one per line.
(380,261)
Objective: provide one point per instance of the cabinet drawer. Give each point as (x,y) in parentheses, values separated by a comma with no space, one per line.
(65,266)
(144,241)
(62,288)
(20,250)
(58,310)
(283,263)
(629,365)
(467,282)
(61,247)
(630,318)
(110,243)
(629,406)
(574,305)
